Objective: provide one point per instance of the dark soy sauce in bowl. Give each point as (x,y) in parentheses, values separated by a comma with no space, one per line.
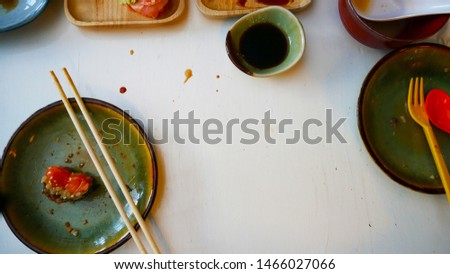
(266,42)
(264,46)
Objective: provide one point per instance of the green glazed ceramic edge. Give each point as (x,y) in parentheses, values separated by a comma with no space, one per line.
(140,133)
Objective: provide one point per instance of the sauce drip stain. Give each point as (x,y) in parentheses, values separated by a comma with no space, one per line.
(123,90)
(188,74)
(9,5)
(264,46)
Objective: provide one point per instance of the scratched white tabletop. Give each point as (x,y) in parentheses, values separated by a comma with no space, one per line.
(230,197)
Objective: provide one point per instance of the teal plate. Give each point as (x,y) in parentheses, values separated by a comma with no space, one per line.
(396,143)
(48,138)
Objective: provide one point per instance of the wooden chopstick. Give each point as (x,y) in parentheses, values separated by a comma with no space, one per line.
(110,162)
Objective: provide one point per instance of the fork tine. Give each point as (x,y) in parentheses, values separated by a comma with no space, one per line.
(410,92)
(422,97)
(416,91)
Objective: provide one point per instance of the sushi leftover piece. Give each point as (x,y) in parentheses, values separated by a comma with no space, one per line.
(147,8)
(60,184)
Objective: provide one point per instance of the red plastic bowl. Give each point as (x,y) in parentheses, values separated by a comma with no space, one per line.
(392,34)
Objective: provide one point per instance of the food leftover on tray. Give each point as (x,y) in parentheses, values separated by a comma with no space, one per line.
(147,8)
(250,4)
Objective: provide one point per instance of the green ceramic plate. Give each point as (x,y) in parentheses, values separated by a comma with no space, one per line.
(48,138)
(396,143)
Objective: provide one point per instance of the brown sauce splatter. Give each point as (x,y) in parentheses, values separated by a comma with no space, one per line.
(123,90)
(188,74)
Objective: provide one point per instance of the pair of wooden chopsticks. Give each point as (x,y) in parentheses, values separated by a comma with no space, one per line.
(110,162)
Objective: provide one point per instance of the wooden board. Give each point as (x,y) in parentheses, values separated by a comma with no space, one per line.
(226,8)
(91,13)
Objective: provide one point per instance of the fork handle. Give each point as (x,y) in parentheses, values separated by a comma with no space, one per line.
(439,160)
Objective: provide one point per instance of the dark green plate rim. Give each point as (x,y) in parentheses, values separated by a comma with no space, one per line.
(126,116)
(361,127)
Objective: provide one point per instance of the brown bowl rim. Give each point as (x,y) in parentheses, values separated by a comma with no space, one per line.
(379,39)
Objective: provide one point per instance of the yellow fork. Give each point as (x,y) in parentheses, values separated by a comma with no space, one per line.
(416,107)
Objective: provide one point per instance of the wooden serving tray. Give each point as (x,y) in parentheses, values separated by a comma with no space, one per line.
(226,8)
(91,13)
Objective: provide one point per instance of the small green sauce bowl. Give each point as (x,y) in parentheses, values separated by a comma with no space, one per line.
(279,17)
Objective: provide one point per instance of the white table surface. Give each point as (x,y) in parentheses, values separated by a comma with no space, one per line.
(232,198)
